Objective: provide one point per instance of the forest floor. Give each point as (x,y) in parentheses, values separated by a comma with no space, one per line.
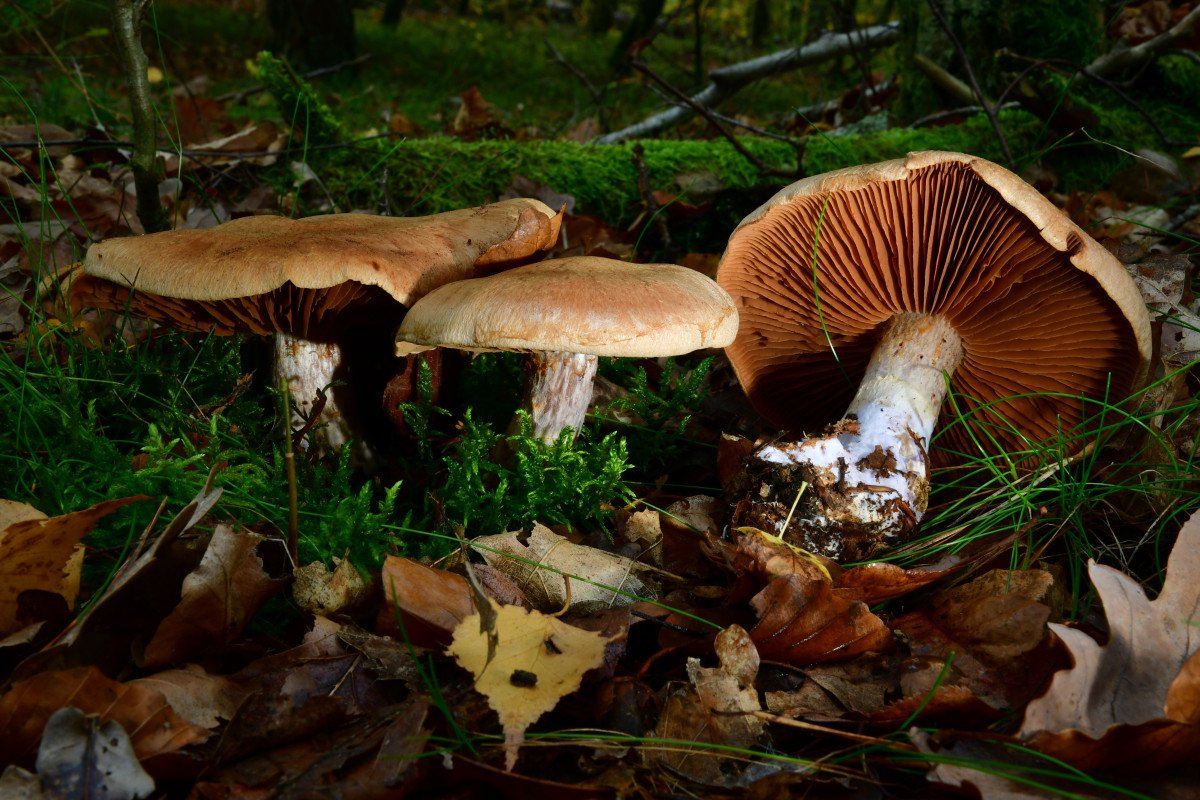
(249,616)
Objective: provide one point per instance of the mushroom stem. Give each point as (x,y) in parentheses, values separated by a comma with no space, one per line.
(868,475)
(558,389)
(311,368)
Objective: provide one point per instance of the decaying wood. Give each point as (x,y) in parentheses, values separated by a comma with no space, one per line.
(1123,57)
(727,81)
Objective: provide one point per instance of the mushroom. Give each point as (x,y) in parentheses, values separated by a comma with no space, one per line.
(564,313)
(874,289)
(325,285)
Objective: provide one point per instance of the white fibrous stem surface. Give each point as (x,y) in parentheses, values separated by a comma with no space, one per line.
(310,368)
(869,474)
(558,390)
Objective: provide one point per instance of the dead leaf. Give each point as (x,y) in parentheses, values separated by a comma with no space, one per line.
(200,698)
(802,621)
(728,691)
(1132,704)
(21,784)
(538,660)
(540,566)
(429,602)
(40,553)
(324,593)
(1127,680)
(143,590)
(83,756)
(642,529)
(216,602)
(154,727)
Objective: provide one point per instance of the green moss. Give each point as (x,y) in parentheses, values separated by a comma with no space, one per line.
(299,104)
(1180,74)
(427,176)
(974,136)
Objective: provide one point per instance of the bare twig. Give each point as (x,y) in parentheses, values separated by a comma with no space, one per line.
(242,94)
(651,204)
(1123,57)
(763,167)
(1112,86)
(727,81)
(597,94)
(198,153)
(936,7)
(817,110)
(944,80)
(964,111)
(127,30)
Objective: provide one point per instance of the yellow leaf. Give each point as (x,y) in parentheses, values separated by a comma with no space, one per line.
(538,661)
(1192,152)
(154,74)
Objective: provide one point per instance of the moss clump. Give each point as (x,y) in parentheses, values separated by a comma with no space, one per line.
(299,104)
(1179,74)
(974,136)
(427,176)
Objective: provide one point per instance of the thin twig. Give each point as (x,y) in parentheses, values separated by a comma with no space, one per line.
(242,94)
(127,31)
(727,81)
(597,94)
(936,7)
(763,167)
(938,116)
(652,206)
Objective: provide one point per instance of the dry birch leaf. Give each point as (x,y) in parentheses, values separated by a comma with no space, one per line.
(538,660)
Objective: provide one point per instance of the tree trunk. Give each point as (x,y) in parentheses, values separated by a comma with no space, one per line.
(639,27)
(313,33)
(392,11)
(760,22)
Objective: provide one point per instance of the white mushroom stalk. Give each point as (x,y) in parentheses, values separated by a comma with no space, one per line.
(868,475)
(310,370)
(558,389)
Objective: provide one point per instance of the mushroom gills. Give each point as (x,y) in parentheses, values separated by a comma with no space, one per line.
(864,482)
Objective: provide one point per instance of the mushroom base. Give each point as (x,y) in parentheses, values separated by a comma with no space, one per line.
(863,484)
(558,389)
(312,369)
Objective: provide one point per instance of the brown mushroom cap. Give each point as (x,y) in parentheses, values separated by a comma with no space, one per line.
(268,273)
(1039,305)
(588,305)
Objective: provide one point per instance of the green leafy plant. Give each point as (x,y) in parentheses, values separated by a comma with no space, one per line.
(663,411)
(565,482)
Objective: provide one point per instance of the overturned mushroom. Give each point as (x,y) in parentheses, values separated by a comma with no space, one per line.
(563,314)
(868,289)
(327,285)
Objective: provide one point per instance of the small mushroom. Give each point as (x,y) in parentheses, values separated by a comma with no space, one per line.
(325,285)
(563,314)
(872,289)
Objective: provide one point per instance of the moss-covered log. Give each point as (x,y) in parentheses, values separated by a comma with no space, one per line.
(426,176)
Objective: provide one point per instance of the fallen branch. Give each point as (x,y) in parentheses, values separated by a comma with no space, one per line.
(702,110)
(1123,57)
(727,81)
(951,113)
(242,94)
(819,110)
